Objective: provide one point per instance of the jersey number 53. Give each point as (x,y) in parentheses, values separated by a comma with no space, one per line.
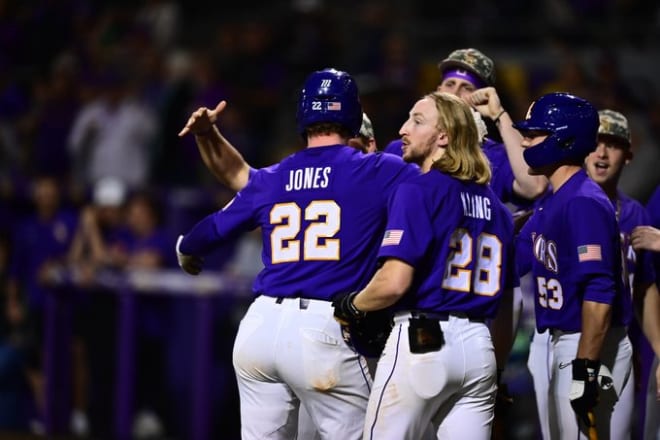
(550,293)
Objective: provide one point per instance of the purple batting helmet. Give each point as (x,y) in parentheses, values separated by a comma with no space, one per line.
(330,95)
(571,123)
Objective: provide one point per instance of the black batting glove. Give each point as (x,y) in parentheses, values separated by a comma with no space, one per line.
(584,388)
(345,310)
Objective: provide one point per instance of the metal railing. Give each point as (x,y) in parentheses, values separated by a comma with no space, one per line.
(128,286)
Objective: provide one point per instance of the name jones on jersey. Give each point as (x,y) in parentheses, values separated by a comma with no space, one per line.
(308,178)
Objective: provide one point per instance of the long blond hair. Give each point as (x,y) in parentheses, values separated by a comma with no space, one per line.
(463,157)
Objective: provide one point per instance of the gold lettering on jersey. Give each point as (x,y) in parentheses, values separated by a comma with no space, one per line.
(475,206)
(545,251)
(308,178)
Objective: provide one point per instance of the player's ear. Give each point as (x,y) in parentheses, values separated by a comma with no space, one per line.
(442,140)
(629,155)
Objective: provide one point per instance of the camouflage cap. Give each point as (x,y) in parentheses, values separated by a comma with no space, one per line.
(614,124)
(366,130)
(472,60)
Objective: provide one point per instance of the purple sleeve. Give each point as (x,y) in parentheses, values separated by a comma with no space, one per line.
(592,237)
(202,238)
(236,217)
(408,226)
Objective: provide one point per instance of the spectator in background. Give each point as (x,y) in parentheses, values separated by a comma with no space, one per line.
(99,244)
(112,135)
(120,232)
(149,248)
(101,237)
(41,243)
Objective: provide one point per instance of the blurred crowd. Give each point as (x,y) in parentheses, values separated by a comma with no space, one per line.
(93,176)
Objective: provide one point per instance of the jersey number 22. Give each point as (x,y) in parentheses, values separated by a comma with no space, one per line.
(325,218)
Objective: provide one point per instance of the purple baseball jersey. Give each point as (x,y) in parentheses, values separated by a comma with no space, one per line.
(459,238)
(576,256)
(502,179)
(322,213)
(653,208)
(639,265)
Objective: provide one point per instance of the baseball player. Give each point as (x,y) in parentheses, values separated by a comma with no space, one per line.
(470,75)
(604,166)
(648,238)
(577,271)
(446,264)
(317,235)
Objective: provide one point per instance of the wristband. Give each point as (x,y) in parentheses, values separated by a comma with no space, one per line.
(497,118)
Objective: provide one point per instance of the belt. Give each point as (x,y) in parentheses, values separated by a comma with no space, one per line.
(443,316)
(303,303)
(559,332)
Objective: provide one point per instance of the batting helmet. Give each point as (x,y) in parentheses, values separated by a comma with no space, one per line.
(330,95)
(571,123)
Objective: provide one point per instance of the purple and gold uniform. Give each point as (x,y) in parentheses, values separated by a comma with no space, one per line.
(459,238)
(573,262)
(576,261)
(322,212)
(472,246)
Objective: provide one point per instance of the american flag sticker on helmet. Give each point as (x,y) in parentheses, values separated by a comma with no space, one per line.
(392,237)
(589,252)
(334,106)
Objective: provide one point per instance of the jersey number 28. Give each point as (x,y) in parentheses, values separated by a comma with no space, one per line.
(484,278)
(325,218)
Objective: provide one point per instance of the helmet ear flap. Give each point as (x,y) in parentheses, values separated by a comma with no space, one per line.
(330,95)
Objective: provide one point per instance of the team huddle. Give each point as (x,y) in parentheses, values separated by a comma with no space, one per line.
(388,302)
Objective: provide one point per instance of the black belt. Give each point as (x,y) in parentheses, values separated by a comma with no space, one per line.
(558,331)
(303,303)
(442,316)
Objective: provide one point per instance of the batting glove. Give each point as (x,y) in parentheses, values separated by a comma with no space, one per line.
(345,310)
(584,388)
(189,263)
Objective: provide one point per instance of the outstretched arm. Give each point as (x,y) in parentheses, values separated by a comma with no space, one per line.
(218,154)
(487,102)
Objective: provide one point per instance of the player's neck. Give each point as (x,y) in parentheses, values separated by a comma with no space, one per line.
(323,140)
(561,175)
